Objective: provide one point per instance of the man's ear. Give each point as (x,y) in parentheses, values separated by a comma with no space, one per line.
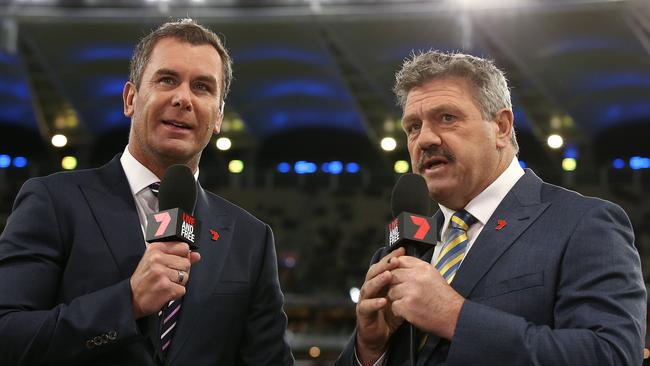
(128,95)
(504,121)
(219,120)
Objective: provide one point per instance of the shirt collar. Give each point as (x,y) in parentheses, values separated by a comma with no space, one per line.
(139,176)
(485,203)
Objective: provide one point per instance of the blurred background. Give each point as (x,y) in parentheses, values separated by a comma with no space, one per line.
(311,140)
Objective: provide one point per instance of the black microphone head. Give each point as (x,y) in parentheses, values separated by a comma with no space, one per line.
(178,189)
(411,194)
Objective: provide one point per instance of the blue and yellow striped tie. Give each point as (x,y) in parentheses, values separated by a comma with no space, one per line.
(455,246)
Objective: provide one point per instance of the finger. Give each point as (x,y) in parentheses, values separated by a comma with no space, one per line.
(178,248)
(175,262)
(179,276)
(370,307)
(194,257)
(396,292)
(373,287)
(401,275)
(397,308)
(384,264)
(409,262)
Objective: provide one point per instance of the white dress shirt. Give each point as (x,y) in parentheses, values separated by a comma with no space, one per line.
(482,206)
(139,178)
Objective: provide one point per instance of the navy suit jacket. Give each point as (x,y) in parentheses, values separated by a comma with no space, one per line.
(66,255)
(559,284)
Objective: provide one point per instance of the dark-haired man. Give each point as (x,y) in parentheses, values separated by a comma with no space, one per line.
(524,273)
(79,285)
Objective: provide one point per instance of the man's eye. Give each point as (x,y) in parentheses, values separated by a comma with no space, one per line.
(448,118)
(202,86)
(166,80)
(413,127)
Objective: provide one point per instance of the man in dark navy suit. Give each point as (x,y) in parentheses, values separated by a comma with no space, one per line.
(78,283)
(524,273)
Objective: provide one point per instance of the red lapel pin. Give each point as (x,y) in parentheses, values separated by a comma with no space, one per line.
(215,235)
(501,224)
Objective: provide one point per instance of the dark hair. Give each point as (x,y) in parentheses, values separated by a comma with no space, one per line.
(185,30)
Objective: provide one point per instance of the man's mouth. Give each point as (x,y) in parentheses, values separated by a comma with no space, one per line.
(432,163)
(178,124)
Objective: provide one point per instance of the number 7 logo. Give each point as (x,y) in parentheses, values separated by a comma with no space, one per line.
(164,219)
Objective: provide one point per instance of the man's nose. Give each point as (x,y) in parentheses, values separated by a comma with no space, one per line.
(182,97)
(428,137)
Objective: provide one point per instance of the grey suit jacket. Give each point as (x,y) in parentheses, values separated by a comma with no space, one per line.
(66,255)
(559,284)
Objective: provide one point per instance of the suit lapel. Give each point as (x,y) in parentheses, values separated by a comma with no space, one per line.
(519,209)
(113,206)
(205,274)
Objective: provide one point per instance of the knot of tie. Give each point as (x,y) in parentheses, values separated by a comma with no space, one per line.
(154,187)
(455,245)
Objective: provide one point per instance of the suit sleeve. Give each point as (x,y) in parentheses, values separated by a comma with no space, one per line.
(599,312)
(265,340)
(348,356)
(36,326)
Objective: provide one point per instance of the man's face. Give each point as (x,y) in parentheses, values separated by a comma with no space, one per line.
(175,110)
(450,143)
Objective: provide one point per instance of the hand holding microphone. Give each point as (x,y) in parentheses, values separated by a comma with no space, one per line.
(164,269)
(417,292)
(410,232)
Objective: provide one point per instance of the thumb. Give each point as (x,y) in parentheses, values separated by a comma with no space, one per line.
(194,257)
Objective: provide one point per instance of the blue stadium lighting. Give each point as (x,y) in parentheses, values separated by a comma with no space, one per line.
(638,162)
(325,167)
(284,167)
(108,86)
(595,83)
(336,167)
(310,87)
(352,168)
(103,52)
(522,164)
(18,113)
(265,53)
(581,43)
(5,58)
(304,167)
(571,152)
(14,87)
(20,162)
(115,117)
(5,161)
(618,163)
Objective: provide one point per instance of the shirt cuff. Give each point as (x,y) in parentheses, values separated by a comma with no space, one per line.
(379,362)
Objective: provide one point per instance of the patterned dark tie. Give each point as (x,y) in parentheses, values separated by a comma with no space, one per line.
(154,187)
(170,313)
(455,246)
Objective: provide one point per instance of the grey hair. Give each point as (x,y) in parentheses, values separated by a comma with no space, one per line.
(186,30)
(490,90)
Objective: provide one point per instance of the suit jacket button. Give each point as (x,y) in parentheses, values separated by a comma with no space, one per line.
(97,341)
(112,335)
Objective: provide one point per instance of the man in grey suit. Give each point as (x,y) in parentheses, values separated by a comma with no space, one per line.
(524,273)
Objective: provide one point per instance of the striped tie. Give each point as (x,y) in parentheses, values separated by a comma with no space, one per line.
(455,245)
(170,313)
(170,316)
